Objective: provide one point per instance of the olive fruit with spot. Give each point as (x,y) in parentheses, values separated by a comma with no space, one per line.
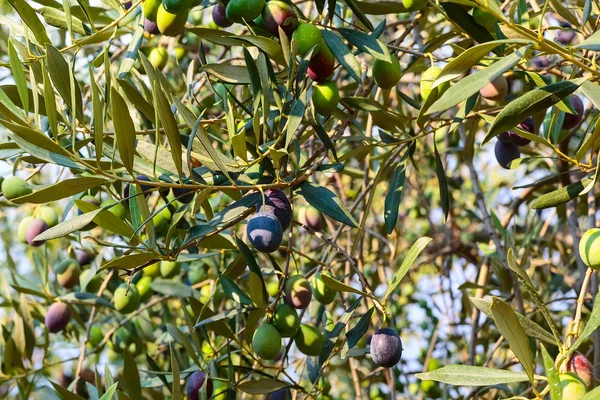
(169,269)
(276,202)
(266,342)
(572,120)
(298,292)
(158,57)
(573,388)
(387,74)
(176,6)
(321,64)
(264,232)
(323,293)
(414,5)
(589,248)
(170,24)
(151,27)
(325,97)
(49,215)
(306,37)
(286,320)
(219,16)
(581,366)
(67,273)
(194,384)
(386,347)
(506,153)
(14,186)
(58,317)
(495,90)
(278,14)
(126,298)
(22,228)
(309,340)
(34,228)
(151,9)
(244,10)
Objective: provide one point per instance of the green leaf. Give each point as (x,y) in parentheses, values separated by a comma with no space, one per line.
(132,50)
(552,375)
(107,219)
(110,392)
(367,43)
(327,202)
(471,84)
(227,73)
(49,101)
(65,394)
(362,103)
(359,14)
(532,329)
(394,196)
(175,370)
(295,117)
(184,341)
(591,90)
(340,286)
(129,261)
(359,330)
(468,375)
(441,175)
(564,12)
(30,18)
(171,288)
(560,196)
(234,292)
(408,261)
(18,75)
(465,21)
(593,395)
(59,72)
(167,120)
(67,227)
(60,19)
(85,298)
(262,386)
(590,43)
(124,129)
(97,111)
(60,190)
(381,7)
(509,326)
(343,54)
(529,104)
(131,377)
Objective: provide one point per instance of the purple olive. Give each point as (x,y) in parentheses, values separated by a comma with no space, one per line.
(265,232)
(386,347)
(276,201)
(506,153)
(57,317)
(572,120)
(195,382)
(34,228)
(219,17)
(151,27)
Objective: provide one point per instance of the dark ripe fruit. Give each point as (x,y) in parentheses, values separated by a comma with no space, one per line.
(151,9)
(67,273)
(386,347)
(276,202)
(57,317)
(266,342)
(153,57)
(514,138)
(34,228)
(158,57)
(581,366)
(170,24)
(572,120)
(219,17)
(573,388)
(151,27)
(183,195)
(495,90)
(176,6)
(323,293)
(126,302)
(306,36)
(565,36)
(22,228)
(311,217)
(281,394)
(321,64)
(82,257)
(195,382)
(89,199)
(243,10)
(13,187)
(169,269)
(49,215)
(325,97)
(298,292)
(309,340)
(264,232)
(279,14)
(387,74)
(286,320)
(541,62)
(127,5)
(506,153)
